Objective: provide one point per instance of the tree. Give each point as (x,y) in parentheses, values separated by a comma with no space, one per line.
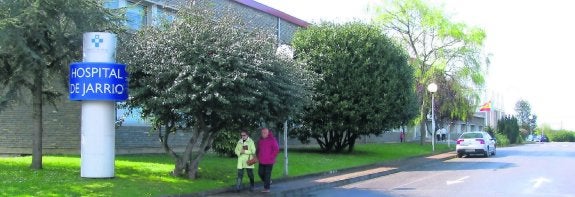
(452,102)
(508,126)
(38,40)
(365,87)
(206,73)
(439,49)
(527,121)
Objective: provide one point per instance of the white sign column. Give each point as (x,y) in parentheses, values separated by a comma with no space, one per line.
(98,117)
(98,82)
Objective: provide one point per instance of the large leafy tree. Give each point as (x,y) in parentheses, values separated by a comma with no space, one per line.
(440,50)
(38,40)
(209,72)
(365,87)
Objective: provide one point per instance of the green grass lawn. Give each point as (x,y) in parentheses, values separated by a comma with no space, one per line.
(148,175)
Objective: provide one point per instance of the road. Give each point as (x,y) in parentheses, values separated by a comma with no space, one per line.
(546,169)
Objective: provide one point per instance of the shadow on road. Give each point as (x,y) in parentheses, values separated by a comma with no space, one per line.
(459,164)
(344,192)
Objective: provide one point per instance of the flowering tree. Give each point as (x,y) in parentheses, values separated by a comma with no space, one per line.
(206,73)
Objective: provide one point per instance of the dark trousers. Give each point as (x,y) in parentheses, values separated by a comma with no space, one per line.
(265,172)
(241,176)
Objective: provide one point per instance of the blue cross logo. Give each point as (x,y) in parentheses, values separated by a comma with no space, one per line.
(97,40)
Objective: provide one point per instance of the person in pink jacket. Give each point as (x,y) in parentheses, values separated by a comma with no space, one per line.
(267,151)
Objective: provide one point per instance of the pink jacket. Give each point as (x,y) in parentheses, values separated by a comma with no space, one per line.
(268,149)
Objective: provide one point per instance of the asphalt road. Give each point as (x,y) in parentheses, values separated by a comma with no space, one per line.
(546,169)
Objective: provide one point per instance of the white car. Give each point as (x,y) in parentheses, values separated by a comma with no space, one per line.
(478,142)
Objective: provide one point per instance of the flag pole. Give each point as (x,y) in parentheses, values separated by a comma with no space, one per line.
(486,108)
(486,121)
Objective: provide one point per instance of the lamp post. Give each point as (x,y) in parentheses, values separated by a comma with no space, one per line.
(529,125)
(286,52)
(449,135)
(432,88)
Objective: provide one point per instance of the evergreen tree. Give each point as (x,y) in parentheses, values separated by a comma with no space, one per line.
(366,85)
(38,40)
(508,126)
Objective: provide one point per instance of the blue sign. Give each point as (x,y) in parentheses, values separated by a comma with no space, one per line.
(98,81)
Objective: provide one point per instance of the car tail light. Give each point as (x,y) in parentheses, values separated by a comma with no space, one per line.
(481,141)
(459,141)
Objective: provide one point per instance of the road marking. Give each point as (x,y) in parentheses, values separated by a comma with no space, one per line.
(416,180)
(354,175)
(539,181)
(460,180)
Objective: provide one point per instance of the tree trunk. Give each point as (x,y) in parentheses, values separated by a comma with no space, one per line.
(328,141)
(321,143)
(207,141)
(180,167)
(37,118)
(164,137)
(187,165)
(183,163)
(193,169)
(341,141)
(423,118)
(338,142)
(352,139)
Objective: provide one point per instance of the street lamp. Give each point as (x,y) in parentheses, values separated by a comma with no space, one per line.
(286,52)
(449,135)
(432,88)
(529,126)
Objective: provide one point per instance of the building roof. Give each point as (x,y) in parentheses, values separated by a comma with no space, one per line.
(272,11)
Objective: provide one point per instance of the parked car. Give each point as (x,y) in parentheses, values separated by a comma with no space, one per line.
(537,138)
(478,142)
(544,138)
(530,138)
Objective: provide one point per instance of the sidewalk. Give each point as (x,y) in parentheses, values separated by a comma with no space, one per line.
(300,186)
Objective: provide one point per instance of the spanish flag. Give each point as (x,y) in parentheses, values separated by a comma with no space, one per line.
(486,106)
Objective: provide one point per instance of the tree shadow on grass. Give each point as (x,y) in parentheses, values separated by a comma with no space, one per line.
(317,150)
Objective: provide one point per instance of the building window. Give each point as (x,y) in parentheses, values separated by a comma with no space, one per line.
(136,15)
(111,4)
(127,117)
(165,15)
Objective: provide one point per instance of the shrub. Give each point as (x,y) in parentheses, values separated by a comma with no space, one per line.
(490,130)
(225,143)
(562,136)
(508,126)
(501,139)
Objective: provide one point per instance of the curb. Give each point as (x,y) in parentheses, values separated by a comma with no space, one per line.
(409,166)
(364,171)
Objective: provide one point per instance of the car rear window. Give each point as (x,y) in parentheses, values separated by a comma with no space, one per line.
(472,135)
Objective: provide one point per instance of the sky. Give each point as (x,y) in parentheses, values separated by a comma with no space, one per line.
(531,43)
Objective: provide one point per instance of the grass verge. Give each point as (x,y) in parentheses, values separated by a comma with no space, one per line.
(148,175)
